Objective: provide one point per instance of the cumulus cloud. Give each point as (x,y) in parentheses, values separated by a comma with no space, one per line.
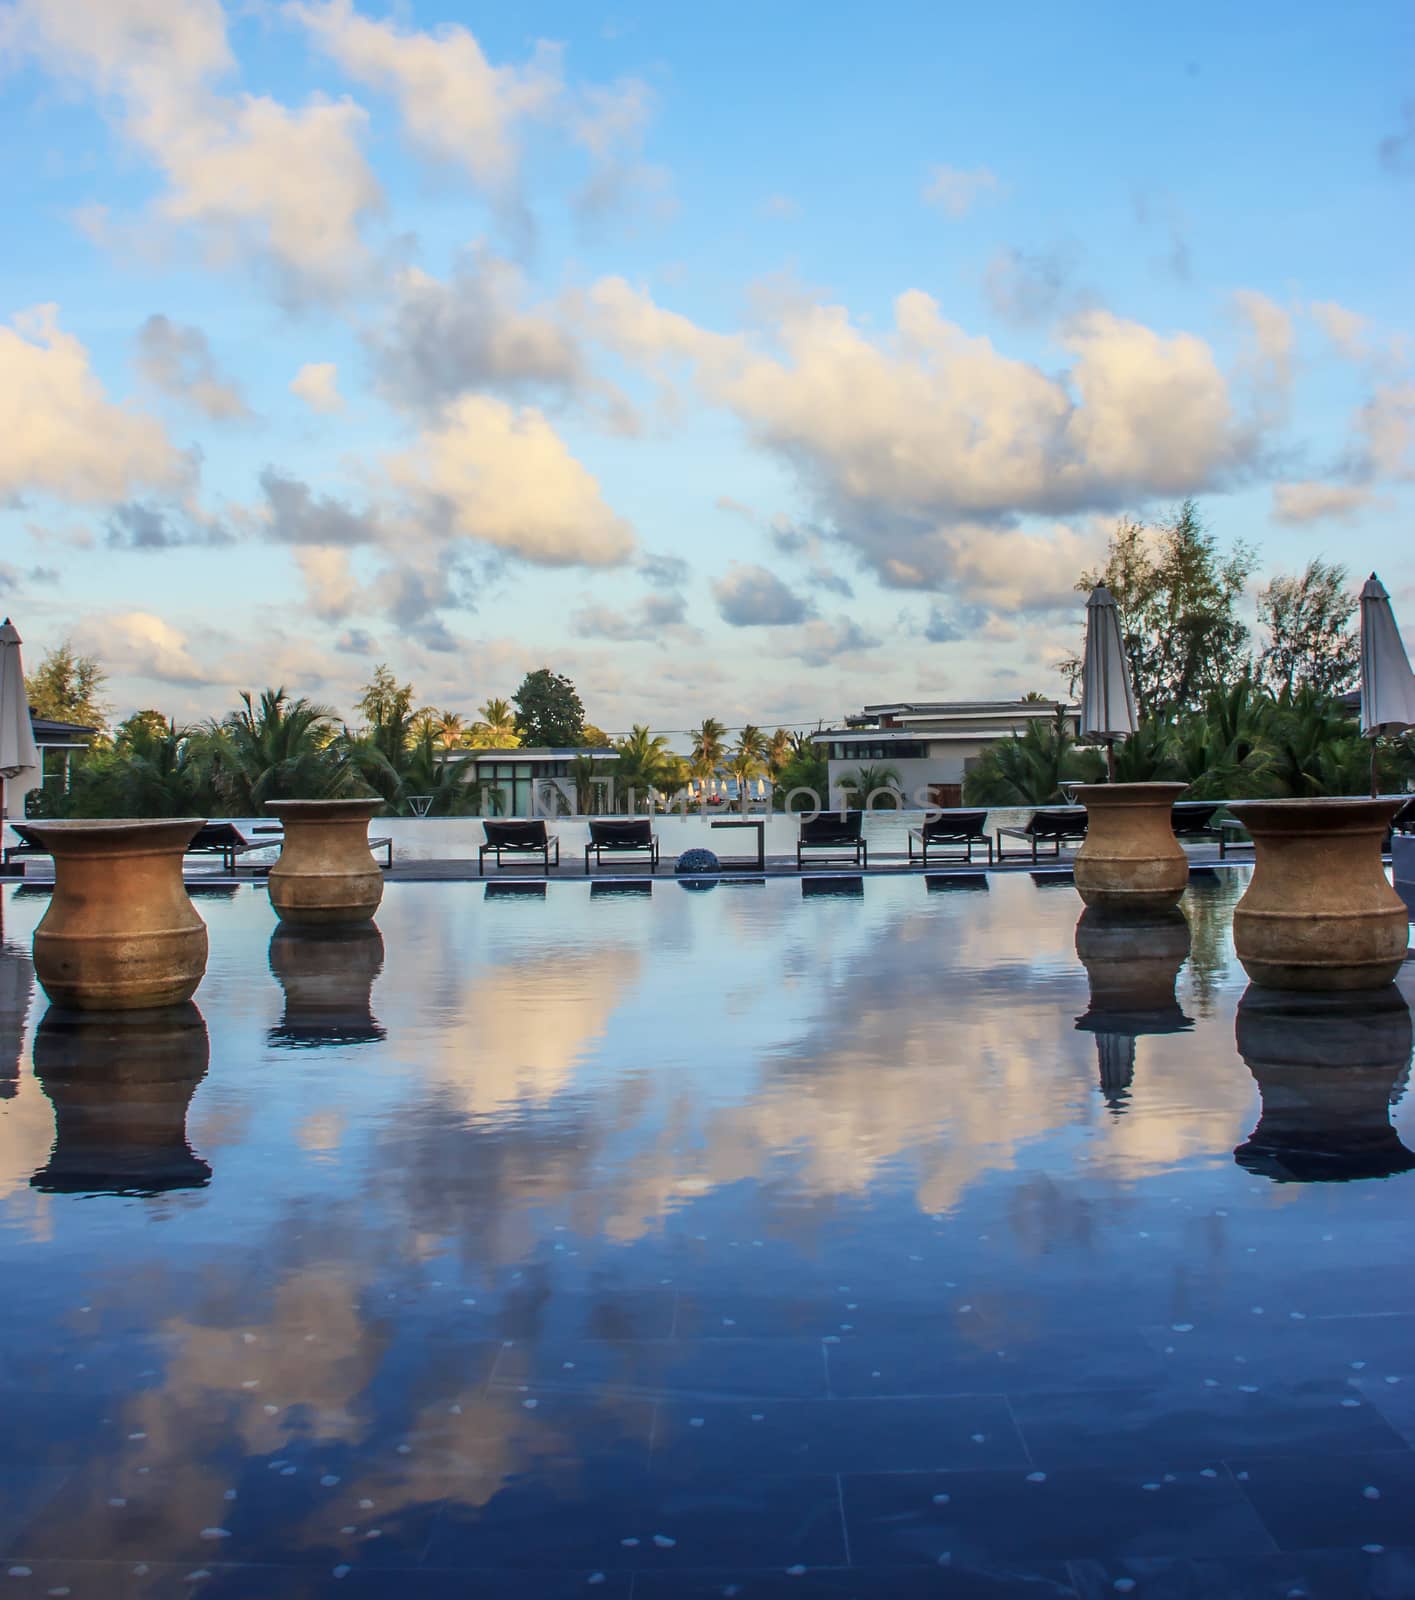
(177,359)
(1271,338)
(457,107)
(1346,329)
(471,331)
(295,514)
(134,525)
(502,476)
(821,643)
(751,597)
(1383,435)
(60,434)
(664,571)
(248,176)
(332,592)
(145,646)
(648,619)
(955,191)
(317,384)
(1318,502)
(1031,287)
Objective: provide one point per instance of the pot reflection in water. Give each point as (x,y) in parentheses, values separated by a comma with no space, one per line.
(1132,964)
(327,975)
(121,1083)
(1329,1069)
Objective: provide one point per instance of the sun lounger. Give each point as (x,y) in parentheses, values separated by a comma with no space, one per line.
(1194,819)
(631,837)
(1053,825)
(518,839)
(965,828)
(834,833)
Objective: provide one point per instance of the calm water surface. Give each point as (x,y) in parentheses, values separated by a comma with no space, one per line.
(851,1237)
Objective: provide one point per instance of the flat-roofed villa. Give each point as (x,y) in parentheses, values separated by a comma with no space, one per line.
(932,744)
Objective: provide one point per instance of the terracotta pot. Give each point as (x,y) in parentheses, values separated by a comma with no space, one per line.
(1130,860)
(121,1084)
(1132,964)
(121,931)
(327,975)
(1319,913)
(1327,1066)
(326,872)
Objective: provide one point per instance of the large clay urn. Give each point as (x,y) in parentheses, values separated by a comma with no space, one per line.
(121,1083)
(1130,861)
(1132,964)
(1319,912)
(1328,1067)
(327,975)
(326,872)
(121,931)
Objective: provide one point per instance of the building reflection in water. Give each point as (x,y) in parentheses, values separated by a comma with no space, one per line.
(121,1083)
(1329,1069)
(1132,965)
(327,975)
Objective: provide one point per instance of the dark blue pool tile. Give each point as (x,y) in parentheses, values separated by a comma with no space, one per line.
(1332,1501)
(1189,1425)
(914,1519)
(780,1368)
(516,1430)
(1393,1395)
(262,1516)
(1050,1581)
(24,1492)
(704,1440)
(346,1579)
(720,1312)
(945,1364)
(57,1430)
(1266,1345)
(571,1520)
(1302,1575)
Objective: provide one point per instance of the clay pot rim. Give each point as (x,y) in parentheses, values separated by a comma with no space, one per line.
(325,810)
(79,831)
(1123,794)
(1316,814)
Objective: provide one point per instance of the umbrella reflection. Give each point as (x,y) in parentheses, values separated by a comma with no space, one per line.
(1132,965)
(327,975)
(1329,1068)
(16,987)
(120,1083)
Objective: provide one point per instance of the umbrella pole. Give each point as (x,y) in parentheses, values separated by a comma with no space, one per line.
(1110,759)
(1375,782)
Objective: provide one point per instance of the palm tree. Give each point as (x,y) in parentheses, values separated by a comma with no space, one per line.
(588,776)
(870,780)
(496,729)
(1313,747)
(747,761)
(780,748)
(640,765)
(1028,769)
(674,776)
(1220,751)
(449,784)
(709,749)
(451,729)
(279,750)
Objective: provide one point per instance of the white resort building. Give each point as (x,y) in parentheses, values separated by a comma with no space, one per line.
(931,744)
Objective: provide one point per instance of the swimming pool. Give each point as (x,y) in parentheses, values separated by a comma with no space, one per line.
(827,1237)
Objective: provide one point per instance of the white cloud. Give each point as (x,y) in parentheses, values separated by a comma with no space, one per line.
(1346,329)
(317,384)
(456,105)
(503,477)
(1318,502)
(59,432)
(248,176)
(955,191)
(143,645)
(1272,339)
(177,359)
(332,592)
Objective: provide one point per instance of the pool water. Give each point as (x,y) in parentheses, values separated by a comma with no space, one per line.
(837,1237)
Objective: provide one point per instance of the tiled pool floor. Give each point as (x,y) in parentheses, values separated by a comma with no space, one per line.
(747,1242)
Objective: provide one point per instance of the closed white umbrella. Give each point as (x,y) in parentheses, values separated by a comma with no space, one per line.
(1387,683)
(1107,700)
(18,753)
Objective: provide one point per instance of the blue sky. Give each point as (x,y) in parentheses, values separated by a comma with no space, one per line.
(756,365)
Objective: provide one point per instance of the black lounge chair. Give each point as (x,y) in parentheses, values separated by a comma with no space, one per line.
(1053,825)
(228,840)
(837,833)
(1194,819)
(518,839)
(634,837)
(965,828)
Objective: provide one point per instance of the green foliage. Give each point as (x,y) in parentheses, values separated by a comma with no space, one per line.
(279,749)
(1310,642)
(548,710)
(1028,770)
(590,777)
(869,780)
(152,770)
(450,783)
(1177,598)
(640,768)
(495,729)
(67,687)
(746,762)
(709,748)
(807,769)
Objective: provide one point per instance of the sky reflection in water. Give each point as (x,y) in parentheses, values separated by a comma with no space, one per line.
(683,1151)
